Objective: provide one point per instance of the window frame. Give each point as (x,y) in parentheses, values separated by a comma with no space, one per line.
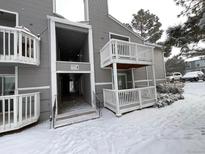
(11,12)
(125,36)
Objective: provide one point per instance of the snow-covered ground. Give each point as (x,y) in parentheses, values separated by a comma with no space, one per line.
(175,129)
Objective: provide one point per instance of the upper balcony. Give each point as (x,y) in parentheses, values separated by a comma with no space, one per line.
(122,52)
(19,46)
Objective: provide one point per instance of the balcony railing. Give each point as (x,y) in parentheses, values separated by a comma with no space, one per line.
(122,101)
(125,52)
(19,46)
(17,111)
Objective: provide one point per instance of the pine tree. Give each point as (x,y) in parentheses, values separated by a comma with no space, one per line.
(147,25)
(188,35)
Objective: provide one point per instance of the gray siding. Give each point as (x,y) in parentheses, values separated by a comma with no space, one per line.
(33,15)
(102,24)
(159,64)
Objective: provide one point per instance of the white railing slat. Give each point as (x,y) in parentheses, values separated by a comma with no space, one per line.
(9,112)
(12,51)
(123,51)
(20,108)
(15,110)
(26,107)
(3,108)
(20,116)
(30,106)
(4,46)
(128,98)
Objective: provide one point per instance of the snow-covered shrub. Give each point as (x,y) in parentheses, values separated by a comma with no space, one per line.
(169,93)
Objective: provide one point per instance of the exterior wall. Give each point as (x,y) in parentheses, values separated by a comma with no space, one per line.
(197,65)
(102,24)
(33,15)
(159,64)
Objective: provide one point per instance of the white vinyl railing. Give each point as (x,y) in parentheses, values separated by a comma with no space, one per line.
(125,52)
(122,101)
(17,111)
(19,46)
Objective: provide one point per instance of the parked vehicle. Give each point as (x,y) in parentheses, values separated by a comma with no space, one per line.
(193,76)
(175,76)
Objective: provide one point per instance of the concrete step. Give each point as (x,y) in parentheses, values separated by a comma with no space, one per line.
(75,117)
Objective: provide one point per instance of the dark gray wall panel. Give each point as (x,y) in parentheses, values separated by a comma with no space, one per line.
(33,15)
(67,66)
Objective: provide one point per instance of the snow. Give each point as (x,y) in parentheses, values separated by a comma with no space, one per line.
(178,128)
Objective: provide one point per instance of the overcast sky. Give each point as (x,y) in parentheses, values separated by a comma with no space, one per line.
(166,10)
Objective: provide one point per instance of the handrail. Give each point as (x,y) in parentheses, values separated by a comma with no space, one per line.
(9,96)
(20,30)
(125,52)
(133,89)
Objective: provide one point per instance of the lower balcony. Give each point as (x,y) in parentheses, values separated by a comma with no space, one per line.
(126,100)
(127,53)
(17,111)
(18,45)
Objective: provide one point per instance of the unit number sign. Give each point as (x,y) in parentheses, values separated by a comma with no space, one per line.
(74,67)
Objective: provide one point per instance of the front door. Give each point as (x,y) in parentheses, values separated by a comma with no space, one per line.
(122,81)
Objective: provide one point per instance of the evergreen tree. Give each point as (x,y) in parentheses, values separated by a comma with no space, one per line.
(188,35)
(175,64)
(147,25)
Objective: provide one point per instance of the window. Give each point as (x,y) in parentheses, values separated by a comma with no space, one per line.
(9,19)
(7,85)
(119,37)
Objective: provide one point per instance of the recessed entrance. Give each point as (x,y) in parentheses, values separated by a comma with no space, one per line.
(73,92)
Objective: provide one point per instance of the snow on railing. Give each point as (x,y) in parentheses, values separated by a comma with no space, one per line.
(121,101)
(17,111)
(125,52)
(19,46)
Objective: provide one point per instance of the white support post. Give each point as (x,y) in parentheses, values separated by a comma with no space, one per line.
(140,98)
(20,45)
(165,74)
(136,53)
(116,51)
(116,89)
(133,78)
(154,77)
(147,75)
(15,44)
(4,44)
(92,75)
(16,80)
(111,52)
(26,43)
(20,109)
(53,61)
(9,44)
(3,108)
(15,110)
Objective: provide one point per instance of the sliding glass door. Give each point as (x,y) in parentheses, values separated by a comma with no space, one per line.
(7,85)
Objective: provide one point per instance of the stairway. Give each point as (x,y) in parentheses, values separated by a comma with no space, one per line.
(75,117)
